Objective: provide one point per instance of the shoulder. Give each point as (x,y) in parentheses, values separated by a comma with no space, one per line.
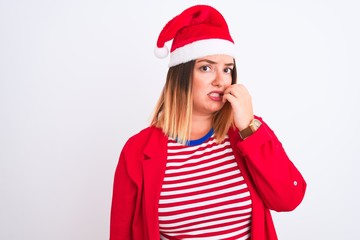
(146,133)
(143,137)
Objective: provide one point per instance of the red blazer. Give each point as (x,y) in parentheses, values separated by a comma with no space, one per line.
(273,180)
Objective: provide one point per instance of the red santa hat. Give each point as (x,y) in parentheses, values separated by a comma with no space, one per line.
(197,32)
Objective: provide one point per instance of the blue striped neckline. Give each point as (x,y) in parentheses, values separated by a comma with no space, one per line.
(199,141)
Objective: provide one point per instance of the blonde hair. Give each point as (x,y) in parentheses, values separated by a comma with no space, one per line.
(173,111)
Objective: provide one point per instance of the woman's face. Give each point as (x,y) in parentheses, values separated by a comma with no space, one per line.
(211,76)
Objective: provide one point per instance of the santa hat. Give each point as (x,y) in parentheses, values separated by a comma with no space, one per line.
(197,32)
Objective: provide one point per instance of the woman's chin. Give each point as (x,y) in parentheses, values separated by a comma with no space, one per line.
(217,107)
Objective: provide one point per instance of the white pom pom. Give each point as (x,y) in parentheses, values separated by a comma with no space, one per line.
(161,52)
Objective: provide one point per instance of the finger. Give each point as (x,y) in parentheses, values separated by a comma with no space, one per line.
(230,91)
(229,96)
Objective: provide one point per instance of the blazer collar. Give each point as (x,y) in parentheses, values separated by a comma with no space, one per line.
(156,145)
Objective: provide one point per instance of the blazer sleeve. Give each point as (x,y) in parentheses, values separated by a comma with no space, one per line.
(124,199)
(277,180)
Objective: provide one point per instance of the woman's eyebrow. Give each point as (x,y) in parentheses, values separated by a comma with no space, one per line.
(212,62)
(206,60)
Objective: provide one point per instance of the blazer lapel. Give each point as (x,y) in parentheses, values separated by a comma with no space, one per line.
(154,164)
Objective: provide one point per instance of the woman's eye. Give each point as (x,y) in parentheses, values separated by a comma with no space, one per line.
(205,68)
(228,70)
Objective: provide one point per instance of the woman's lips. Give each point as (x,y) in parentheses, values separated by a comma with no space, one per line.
(216,96)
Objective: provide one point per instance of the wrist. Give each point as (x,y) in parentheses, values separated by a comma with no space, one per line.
(250,129)
(243,121)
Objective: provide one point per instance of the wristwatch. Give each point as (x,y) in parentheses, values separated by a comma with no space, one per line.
(246,132)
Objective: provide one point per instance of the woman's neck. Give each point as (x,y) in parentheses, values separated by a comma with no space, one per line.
(200,126)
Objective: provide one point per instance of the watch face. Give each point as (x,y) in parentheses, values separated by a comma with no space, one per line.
(257,123)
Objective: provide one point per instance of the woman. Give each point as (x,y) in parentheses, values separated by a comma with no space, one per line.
(206,168)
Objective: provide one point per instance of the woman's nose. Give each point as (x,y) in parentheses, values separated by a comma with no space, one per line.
(219,79)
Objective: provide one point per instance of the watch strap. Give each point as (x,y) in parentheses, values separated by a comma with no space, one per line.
(246,132)
(253,126)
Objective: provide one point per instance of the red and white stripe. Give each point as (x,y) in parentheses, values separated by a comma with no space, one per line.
(204,195)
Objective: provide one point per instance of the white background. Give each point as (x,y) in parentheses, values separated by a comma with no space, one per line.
(78,78)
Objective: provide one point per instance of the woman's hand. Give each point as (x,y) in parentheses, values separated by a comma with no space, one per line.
(241,102)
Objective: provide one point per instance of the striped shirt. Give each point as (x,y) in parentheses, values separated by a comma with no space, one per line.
(204,195)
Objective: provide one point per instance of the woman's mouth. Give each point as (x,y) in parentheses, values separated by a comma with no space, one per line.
(216,96)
